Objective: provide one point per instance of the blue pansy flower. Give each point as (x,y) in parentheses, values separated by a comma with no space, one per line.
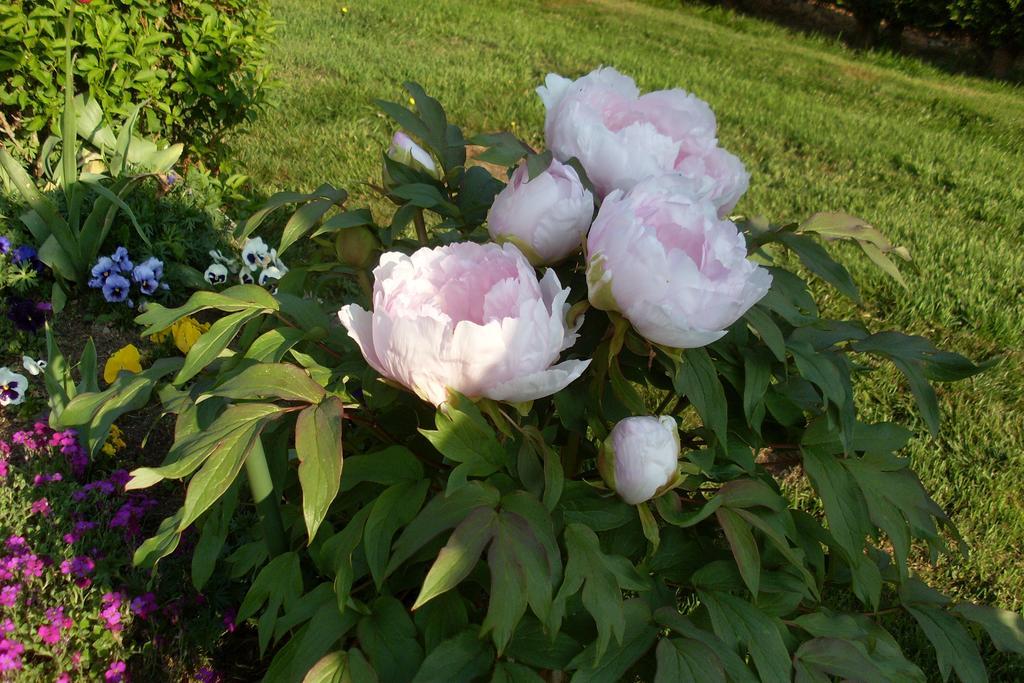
(156,265)
(120,257)
(5,244)
(146,279)
(115,288)
(104,268)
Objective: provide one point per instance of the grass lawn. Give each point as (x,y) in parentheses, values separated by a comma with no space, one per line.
(933,160)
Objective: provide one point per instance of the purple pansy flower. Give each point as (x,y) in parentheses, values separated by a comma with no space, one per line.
(5,244)
(28,315)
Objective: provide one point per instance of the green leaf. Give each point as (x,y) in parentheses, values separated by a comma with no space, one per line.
(744,547)
(393,509)
(87,374)
(319,449)
(503,149)
(602,584)
(211,539)
(459,555)
(236,298)
(761,321)
(457,660)
(1005,628)
(213,342)
(331,668)
(849,660)
(161,544)
(40,204)
(507,672)
(818,261)
(277,380)
(389,638)
(681,660)
(271,346)
(697,379)
(60,387)
(954,648)
(392,465)
(737,622)
(464,436)
(278,583)
(93,414)
(733,665)
(441,513)
(189,452)
(638,637)
(218,473)
(522,571)
(310,214)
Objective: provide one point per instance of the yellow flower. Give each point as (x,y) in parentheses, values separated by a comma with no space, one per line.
(186,332)
(115,440)
(126,358)
(161,336)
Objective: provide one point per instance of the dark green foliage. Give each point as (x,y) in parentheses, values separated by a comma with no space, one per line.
(489,543)
(199,63)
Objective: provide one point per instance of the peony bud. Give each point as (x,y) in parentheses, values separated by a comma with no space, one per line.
(469,317)
(405,151)
(661,257)
(356,246)
(546,217)
(639,459)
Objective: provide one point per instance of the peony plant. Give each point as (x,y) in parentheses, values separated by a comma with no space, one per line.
(552,440)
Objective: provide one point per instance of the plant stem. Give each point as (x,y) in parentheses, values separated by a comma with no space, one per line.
(262,487)
(421,227)
(364,284)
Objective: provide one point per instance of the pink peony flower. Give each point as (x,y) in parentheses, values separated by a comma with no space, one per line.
(470,317)
(546,217)
(622,137)
(640,457)
(661,257)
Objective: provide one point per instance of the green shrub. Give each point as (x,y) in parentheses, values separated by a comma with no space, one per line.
(198,63)
(488,548)
(991,23)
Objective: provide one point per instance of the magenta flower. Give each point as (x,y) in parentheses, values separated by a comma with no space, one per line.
(10,655)
(115,672)
(40,507)
(9,595)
